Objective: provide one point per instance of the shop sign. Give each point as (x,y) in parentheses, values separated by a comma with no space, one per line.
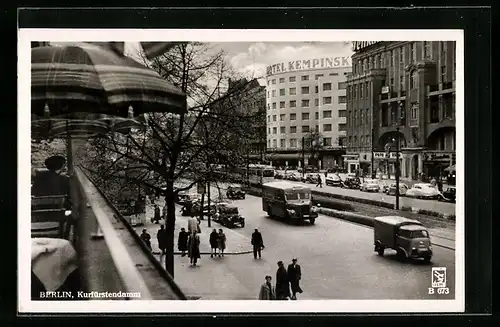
(384,155)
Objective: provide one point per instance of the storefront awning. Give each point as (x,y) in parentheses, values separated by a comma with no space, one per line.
(283,156)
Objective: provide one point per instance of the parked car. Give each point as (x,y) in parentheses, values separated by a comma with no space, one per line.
(311,178)
(193,209)
(228,215)
(292,177)
(391,190)
(234,192)
(370,185)
(423,191)
(183,197)
(278,175)
(351,182)
(333,180)
(448,195)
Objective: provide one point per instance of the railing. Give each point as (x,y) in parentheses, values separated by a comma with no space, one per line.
(108,247)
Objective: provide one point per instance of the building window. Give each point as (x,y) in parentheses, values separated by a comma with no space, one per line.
(274,93)
(293,116)
(334,74)
(282,117)
(443,74)
(316,102)
(292,91)
(293,103)
(370,63)
(304,77)
(282,92)
(275,145)
(414,111)
(381,61)
(414,52)
(305,103)
(342,99)
(282,143)
(365,66)
(282,104)
(355,89)
(268,119)
(327,100)
(305,128)
(274,81)
(269,130)
(305,116)
(292,79)
(305,89)
(282,80)
(268,82)
(393,58)
(328,114)
(327,127)
(316,89)
(362,90)
(316,115)
(269,143)
(274,105)
(316,77)
(327,86)
(362,141)
(401,83)
(268,106)
(401,55)
(342,127)
(342,85)
(282,129)
(327,141)
(342,113)
(368,116)
(361,122)
(274,117)
(275,130)
(293,143)
(413,80)
(293,129)
(427,50)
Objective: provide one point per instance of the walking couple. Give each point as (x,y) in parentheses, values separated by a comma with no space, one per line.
(217,241)
(285,279)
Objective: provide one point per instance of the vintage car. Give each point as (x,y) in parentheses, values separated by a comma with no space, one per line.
(234,193)
(351,182)
(333,180)
(391,190)
(370,185)
(183,197)
(408,237)
(448,195)
(310,178)
(290,176)
(228,215)
(193,209)
(278,175)
(423,191)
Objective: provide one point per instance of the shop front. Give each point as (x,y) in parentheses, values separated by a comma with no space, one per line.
(351,163)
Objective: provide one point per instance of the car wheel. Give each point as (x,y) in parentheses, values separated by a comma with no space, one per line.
(242,224)
(427,259)
(312,220)
(401,255)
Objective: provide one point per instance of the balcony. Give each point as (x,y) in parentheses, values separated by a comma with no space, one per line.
(110,255)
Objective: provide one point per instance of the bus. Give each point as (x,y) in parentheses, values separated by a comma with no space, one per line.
(254,174)
(288,201)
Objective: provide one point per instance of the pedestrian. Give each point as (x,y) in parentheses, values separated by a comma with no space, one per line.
(258,243)
(146,238)
(294,274)
(182,241)
(433,181)
(221,241)
(194,248)
(267,291)
(282,286)
(193,225)
(157,214)
(320,181)
(164,213)
(440,185)
(161,236)
(52,182)
(326,173)
(214,244)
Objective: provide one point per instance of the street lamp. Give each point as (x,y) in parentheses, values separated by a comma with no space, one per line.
(388,146)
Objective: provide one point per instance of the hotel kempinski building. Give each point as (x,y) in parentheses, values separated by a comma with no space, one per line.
(406,85)
(303,98)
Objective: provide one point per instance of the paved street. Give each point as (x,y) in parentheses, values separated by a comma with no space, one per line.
(433,205)
(337,261)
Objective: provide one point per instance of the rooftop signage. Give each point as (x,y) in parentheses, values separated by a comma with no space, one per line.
(318,63)
(359,45)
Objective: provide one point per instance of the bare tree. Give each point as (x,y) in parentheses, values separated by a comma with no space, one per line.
(182,147)
(313,144)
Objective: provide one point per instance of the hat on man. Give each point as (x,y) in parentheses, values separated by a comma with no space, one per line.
(294,259)
(55,162)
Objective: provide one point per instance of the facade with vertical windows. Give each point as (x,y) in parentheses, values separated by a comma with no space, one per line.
(408,85)
(311,103)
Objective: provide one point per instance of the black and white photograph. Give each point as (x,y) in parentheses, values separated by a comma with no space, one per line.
(268,170)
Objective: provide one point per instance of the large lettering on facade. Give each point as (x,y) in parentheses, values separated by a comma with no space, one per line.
(318,63)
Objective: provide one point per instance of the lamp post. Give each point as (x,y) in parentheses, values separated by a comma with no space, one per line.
(303,154)
(397,169)
(373,156)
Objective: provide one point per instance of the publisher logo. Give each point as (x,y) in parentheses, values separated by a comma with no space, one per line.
(438,277)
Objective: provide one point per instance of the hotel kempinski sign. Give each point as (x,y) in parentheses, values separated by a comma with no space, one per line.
(318,63)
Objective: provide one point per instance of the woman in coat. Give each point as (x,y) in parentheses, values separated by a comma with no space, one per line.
(214,243)
(182,241)
(267,291)
(194,248)
(282,286)
(221,240)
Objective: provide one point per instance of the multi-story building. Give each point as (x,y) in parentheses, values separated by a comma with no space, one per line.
(408,86)
(306,100)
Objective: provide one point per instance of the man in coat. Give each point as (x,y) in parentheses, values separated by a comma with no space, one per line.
(294,275)
(194,248)
(157,215)
(182,241)
(267,291)
(162,240)
(146,238)
(282,286)
(214,244)
(258,243)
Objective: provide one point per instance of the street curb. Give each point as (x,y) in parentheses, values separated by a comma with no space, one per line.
(256,192)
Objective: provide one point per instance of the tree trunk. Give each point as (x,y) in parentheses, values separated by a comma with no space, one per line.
(170,228)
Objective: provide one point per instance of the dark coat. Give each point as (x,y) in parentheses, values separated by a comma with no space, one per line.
(257,240)
(182,241)
(294,275)
(51,183)
(147,239)
(157,213)
(214,240)
(162,238)
(194,246)
(282,286)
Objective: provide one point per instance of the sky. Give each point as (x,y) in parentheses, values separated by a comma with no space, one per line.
(252,58)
